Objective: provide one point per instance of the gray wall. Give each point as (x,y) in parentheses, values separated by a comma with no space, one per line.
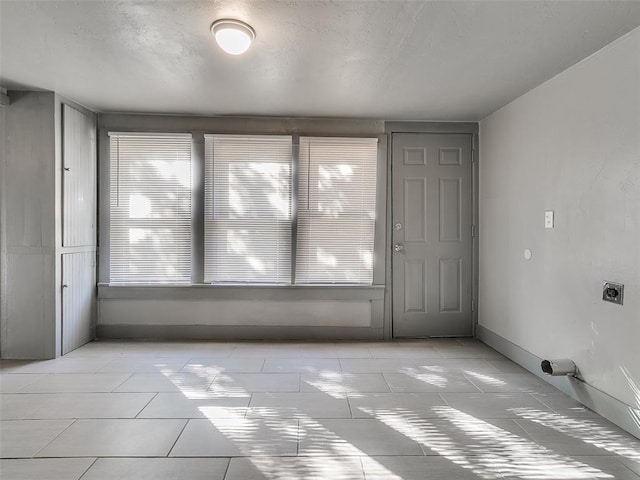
(571,145)
(243,312)
(28,306)
(31,225)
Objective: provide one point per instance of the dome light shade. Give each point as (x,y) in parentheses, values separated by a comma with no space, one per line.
(233,36)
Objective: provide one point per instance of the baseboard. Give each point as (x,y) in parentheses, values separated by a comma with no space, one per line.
(623,415)
(226,332)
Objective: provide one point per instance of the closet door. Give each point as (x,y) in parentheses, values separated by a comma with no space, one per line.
(78,259)
(78,299)
(78,179)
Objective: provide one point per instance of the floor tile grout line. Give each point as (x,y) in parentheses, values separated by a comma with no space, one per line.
(470,380)
(625,466)
(82,419)
(415,432)
(88,468)
(533,395)
(248,407)
(177,438)
(349,405)
(523,428)
(387,382)
(70,392)
(155,394)
(364,473)
(208,387)
(24,386)
(35,455)
(264,362)
(123,382)
(226,470)
(444,400)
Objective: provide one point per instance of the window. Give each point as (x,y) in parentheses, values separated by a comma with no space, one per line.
(336,210)
(247,209)
(150,208)
(277,209)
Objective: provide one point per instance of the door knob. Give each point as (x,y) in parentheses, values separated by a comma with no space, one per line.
(398,247)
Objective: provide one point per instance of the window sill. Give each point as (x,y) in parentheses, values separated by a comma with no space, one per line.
(241,292)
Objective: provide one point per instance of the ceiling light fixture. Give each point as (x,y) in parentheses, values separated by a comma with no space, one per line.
(233,36)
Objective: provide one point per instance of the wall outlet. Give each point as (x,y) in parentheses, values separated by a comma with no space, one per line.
(613,292)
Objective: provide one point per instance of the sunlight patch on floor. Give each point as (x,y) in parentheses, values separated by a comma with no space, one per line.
(431,436)
(487,379)
(584,429)
(426,377)
(513,455)
(312,468)
(484,449)
(333,384)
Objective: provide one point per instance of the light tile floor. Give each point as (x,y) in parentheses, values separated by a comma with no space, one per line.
(417,410)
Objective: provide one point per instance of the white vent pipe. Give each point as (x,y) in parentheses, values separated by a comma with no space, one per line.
(562,366)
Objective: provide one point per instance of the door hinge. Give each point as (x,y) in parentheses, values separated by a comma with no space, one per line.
(474,148)
(473,231)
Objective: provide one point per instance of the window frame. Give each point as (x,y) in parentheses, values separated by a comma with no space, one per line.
(198,127)
(210,204)
(114,137)
(311,215)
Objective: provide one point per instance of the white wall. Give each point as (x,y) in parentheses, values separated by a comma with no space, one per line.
(571,145)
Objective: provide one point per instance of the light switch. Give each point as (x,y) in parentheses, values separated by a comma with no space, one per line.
(548,219)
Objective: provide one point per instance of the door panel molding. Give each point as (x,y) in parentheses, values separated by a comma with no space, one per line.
(415,232)
(450,285)
(450,204)
(415,292)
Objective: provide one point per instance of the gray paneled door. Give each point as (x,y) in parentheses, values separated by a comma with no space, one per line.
(432,238)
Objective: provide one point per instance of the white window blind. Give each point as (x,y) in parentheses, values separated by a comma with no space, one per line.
(150,208)
(336,210)
(247,209)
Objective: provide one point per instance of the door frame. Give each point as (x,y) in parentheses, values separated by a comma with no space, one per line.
(470,128)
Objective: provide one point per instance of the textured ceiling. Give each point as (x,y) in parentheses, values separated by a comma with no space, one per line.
(395,59)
